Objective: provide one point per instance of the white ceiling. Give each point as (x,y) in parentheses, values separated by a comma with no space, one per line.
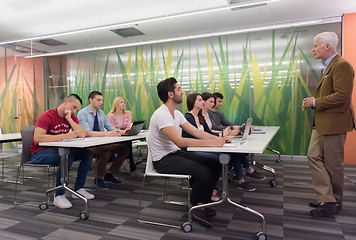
(21,19)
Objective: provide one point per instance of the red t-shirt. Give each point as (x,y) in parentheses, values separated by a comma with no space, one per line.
(53,124)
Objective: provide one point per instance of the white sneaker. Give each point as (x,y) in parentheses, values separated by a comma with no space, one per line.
(61,201)
(85,194)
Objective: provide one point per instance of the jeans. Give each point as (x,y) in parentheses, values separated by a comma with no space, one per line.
(104,154)
(51,156)
(205,172)
(130,157)
(237,160)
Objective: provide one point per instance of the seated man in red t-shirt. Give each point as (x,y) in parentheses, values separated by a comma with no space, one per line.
(55,125)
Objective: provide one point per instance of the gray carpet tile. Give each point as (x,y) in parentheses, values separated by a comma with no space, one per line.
(113,213)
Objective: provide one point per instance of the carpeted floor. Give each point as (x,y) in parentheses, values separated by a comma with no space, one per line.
(113,212)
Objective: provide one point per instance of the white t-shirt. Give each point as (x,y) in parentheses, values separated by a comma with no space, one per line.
(159,144)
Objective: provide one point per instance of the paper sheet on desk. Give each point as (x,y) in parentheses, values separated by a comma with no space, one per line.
(80,139)
(230,145)
(72,139)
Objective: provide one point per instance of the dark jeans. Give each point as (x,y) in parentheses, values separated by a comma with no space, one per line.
(51,156)
(130,157)
(205,172)
(237,161)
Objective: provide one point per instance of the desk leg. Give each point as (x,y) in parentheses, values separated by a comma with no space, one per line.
(224,160)
(64,152)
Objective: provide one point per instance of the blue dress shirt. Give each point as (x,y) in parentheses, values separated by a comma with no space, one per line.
(326,63)
(86,119)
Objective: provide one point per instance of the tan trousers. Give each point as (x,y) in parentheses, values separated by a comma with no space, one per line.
(326,157)
(103,153)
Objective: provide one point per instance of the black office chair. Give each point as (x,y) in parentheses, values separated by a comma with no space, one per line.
(27,135)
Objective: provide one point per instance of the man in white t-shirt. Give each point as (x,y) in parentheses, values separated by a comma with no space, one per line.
(165,142)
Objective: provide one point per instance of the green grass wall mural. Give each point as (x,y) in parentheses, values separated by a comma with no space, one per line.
(262,75)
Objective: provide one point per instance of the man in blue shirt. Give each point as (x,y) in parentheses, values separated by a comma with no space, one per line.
(95,122)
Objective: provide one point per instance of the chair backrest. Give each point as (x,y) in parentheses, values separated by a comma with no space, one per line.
(150,169)
(149,164)
(26,135)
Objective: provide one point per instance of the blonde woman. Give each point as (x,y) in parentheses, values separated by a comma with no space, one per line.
(118,116)
(121,119)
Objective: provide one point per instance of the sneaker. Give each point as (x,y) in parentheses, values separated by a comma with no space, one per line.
(246,186)
(137,174)
(61,201)
(200,217)
(84,193)
(256,175)
(99,183)
(110,178)
(215,197)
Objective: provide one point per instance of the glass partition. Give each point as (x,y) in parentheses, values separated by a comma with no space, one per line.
(264,75)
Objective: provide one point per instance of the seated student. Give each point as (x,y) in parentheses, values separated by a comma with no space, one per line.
(217,119)
(194,116)
(238,159)
(95,122)
(165,143)
(55,125)
(120,118)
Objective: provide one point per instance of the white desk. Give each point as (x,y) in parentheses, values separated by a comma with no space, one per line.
(91,141)
(255,143)
(64,150)
(8,137)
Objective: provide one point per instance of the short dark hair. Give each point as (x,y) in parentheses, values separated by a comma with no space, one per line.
(218,95)
(205,96)
(93,94)
(165,86)
(73,95)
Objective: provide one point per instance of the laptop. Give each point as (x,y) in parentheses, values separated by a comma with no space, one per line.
(247,128)
(135,128)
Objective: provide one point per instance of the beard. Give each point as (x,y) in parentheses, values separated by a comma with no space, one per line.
(177,99)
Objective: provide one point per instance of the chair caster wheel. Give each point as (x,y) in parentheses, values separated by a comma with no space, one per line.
(83,215)
(273,183)
(43,206)
(261,236)
(187,227)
